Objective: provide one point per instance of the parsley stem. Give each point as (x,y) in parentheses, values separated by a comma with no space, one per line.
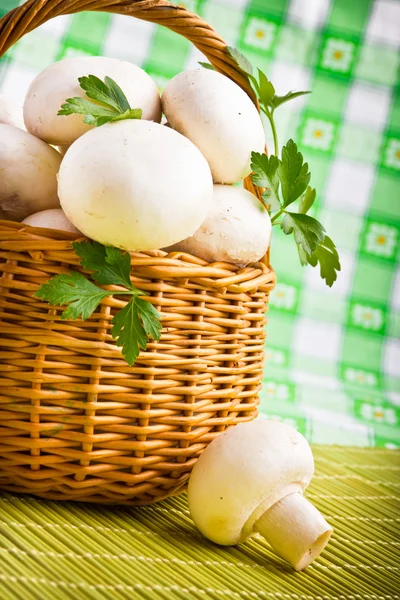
(278,214)
(274,134)
(270,116)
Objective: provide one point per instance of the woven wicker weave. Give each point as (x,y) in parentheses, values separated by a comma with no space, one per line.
(75,421)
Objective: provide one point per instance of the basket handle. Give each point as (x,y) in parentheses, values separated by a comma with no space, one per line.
(23,19)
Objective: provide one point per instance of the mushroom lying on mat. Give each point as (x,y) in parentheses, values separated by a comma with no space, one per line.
(28,181)
(251,479)
(53,218)
(237,229)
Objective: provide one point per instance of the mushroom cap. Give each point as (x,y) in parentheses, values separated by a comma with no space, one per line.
(135,184)
(219,117)
(52,218)
(28,181)
(242,473)
(51,88)
(237,229)
(10,113)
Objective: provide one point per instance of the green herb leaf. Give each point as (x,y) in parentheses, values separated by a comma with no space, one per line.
(97,121)
(207,65)
(110,265)
(278,100)
(132,326)
(294,177)
(307,200)
(116,95)
(328,258)
(242,62)
(107,92)
(82,106)
(110,103)
(74,289)
(132,113)
(302,255)
(307,231)
(293,173)
(150,317)
(266,90)
(265,175)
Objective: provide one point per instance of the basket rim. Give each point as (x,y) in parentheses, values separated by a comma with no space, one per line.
(18,238)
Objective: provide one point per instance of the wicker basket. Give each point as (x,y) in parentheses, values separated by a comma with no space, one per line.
(76,422)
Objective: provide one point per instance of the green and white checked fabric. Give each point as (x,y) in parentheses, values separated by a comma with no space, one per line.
(333,354)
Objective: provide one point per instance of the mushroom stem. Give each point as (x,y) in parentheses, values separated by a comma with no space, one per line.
(295,529)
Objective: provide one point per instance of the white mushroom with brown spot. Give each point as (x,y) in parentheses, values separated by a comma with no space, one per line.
(251,479)
(135,184)
(28,174)
(59,82)
(237,229)
(53,218)
(218,117)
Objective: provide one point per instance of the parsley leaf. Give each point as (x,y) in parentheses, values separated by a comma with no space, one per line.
(328,258)
(132,326)
(287,180)
(82,106)
(150,317)
(206,65)
(110,265)
(307,231)
(74,289)
(278,100)
(110,103)
(99,91)
(293,173)
(265,175)
(116,95)
(307,200)
(266,90)
(242,62)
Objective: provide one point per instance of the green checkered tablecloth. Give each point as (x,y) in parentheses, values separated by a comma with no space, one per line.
(333,355)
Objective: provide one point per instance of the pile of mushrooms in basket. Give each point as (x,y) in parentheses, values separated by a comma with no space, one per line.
(98,153)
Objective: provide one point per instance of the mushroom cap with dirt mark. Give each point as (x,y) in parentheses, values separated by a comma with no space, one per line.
(237,229)
(28,174)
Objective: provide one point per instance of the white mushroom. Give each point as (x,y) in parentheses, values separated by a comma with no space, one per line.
(53,218)
(219,117)
(10,113)
(28,174)
(237,229)
(58,82)
(135,184)
(250,479)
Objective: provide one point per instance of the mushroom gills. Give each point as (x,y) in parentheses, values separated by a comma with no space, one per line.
(295,529)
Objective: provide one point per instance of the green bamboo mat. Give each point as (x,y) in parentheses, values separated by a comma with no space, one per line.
(52,550)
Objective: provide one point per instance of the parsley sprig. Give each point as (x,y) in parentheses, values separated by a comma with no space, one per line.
(110,102)
(132,325)
(285,178)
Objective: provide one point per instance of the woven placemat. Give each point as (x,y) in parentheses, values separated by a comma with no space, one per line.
(52,550)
